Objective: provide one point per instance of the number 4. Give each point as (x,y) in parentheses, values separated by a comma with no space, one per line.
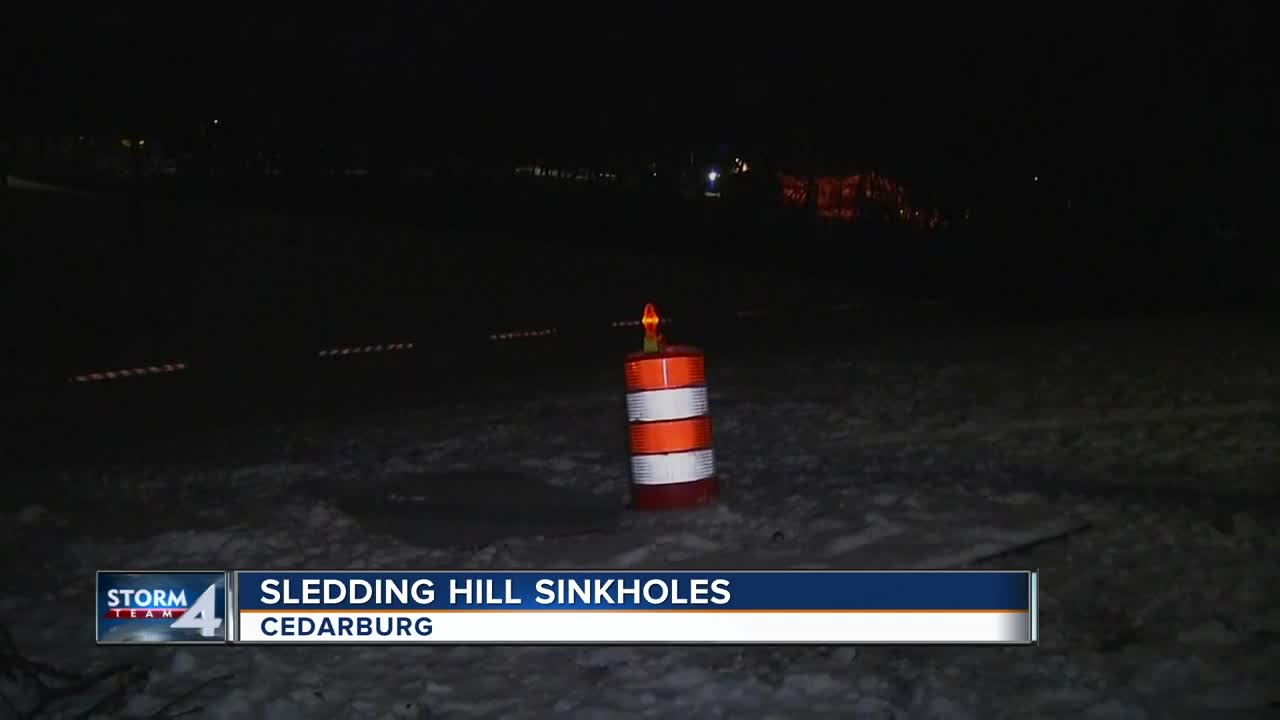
(202,615)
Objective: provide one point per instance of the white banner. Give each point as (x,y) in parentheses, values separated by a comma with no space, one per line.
(604,627)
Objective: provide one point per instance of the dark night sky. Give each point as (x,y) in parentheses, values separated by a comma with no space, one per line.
(938,92)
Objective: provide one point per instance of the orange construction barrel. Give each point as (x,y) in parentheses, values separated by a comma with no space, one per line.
(672,462)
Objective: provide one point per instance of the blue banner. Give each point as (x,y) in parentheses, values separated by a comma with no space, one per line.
(940,591)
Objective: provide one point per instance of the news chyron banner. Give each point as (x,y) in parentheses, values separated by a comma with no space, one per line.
(584,608)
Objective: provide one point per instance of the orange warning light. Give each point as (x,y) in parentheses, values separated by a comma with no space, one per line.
(650,321)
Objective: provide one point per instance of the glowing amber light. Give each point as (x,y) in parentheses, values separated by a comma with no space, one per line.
(650,321)
(652,341)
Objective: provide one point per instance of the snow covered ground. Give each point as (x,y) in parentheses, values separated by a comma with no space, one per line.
(936,451)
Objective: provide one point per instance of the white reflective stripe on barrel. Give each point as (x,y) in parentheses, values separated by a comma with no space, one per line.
(676,404)
(673,468)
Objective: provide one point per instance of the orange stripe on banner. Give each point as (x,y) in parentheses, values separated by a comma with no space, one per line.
(670,436)
(665,372)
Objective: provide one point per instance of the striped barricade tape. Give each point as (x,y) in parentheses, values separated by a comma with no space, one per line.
(362,350)
(522,334)
(546,332)
(105,375)
(635,323)
(403,346)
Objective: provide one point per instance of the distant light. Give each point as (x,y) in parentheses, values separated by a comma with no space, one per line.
(1035,179)
(713,175)
(142,143)
(215,122)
